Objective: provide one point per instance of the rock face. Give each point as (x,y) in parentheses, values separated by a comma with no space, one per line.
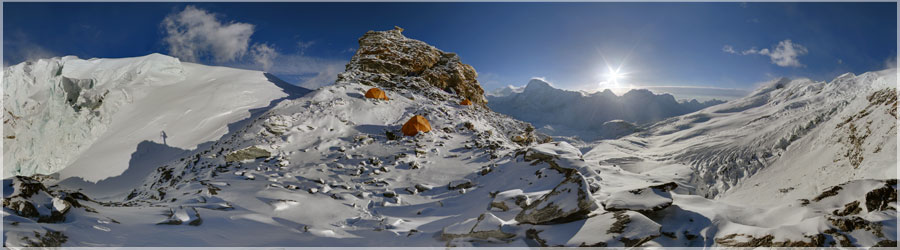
(387,58)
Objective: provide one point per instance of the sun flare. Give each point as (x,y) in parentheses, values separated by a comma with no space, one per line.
(614,76)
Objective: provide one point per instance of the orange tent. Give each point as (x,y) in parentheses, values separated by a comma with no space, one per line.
(377,94)
(416,124)
(465,102)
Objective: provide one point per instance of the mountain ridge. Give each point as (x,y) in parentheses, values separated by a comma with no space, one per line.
(331,168)
(563,112)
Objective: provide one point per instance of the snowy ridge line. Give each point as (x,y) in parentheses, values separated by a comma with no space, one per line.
(331,168)
(70,115)
(590,117)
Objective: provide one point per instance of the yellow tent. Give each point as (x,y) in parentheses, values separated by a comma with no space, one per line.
(377,94)
(416,124)
(465,102)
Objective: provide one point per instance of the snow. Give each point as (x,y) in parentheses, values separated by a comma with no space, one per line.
(643,199)
(155,108)
(586,115)
(333,177)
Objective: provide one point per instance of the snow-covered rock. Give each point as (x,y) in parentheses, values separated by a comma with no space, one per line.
(612,229)
(339,173)
(383,55)
(569,201)
(486,226)
(646,199)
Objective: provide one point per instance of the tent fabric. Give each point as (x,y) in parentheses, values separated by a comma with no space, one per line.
(465,102)
(415,124)
(377,94)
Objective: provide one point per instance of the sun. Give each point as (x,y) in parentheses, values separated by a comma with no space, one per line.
(614,76)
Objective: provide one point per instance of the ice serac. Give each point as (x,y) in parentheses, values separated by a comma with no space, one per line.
(94,118)
(56,108)
(385,56)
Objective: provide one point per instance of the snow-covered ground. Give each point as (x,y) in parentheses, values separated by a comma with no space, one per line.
(796,163)
(587,116)
(69,116)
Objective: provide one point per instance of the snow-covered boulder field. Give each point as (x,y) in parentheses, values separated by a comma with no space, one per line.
(332,168)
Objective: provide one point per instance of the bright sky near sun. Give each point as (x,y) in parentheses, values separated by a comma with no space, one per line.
(685,47)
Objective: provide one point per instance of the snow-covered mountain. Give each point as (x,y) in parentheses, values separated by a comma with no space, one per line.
(69,115)
(331,168)
(586,115)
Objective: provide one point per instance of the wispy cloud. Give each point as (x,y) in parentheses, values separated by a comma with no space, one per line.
(489,80)
(23,49)
(728,49)
(784,54)
(891,62)
(303,45)
(264,55)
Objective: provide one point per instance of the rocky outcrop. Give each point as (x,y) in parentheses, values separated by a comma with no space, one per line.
(569,201)
(388,59)
(249,153)
(486,226)
(30,198)
(647,199)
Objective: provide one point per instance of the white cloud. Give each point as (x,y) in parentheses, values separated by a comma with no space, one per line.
(729,49)
(194,33)
(785,54)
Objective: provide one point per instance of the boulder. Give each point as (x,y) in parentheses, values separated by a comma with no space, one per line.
(646,199)
(248,153)
(569,201)
(486,226)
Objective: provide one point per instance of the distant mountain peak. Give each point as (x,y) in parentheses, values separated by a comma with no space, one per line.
(583,115)
(537,84)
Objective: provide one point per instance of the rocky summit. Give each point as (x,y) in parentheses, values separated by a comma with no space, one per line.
(388,59)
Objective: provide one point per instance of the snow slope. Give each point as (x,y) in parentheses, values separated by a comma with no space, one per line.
(330,168)
(573,113)
(86,118)
(838,131)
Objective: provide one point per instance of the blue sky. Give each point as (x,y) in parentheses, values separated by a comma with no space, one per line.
(572,45)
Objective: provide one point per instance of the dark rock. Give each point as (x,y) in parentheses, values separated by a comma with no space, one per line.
(386,57)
